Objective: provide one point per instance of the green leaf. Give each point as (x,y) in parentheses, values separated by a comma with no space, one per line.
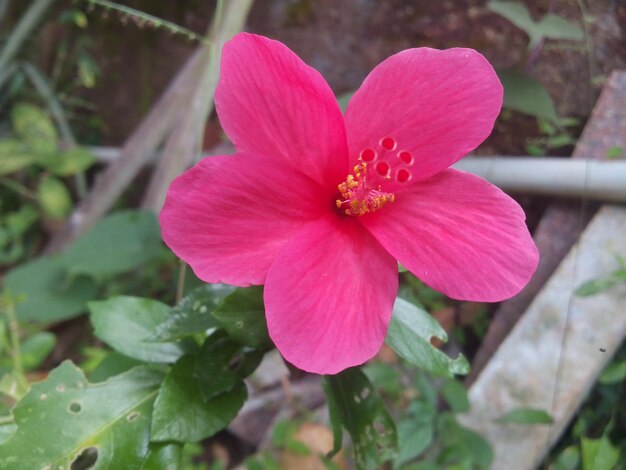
(525,416)
(36,348)
(68,162)
(242,315)
(180,412)
(613,152)
(222,363)
(568,459)
(526,95)
(455,394)
(463,444)
(14,156)
(164,456)
(46,294)
(599,454)
(550,26)
(415,433)
(125,323)
(614,373)
(193,314)
(357,406)
(33,126)
(409,334)
(594,286)
(113,364)
(110,420)
(6,431)
(54,197)
(119,243)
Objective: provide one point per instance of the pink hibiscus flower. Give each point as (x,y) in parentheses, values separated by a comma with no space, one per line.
(319,207)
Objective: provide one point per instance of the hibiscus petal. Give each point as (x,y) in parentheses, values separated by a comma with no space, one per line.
(271,103)
(329,296)
(228,216)
(436,105)
(460,235)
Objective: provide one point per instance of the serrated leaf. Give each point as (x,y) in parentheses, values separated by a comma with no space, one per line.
(194,313)
(85,416)
(126,324)
(409,334)
(242,315)
(118,243)
(525,416)
(222,363)
(527,95)
(68,162)
(14,156)
(180,412)
(599,454)
(46,294)
(54,197)
(354,402)
(34,127)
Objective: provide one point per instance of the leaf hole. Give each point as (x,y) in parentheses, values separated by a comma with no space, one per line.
(75,407)
(61,388)
(86,459)
(133,416)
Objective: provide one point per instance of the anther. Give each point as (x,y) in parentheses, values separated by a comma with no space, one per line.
(403,175)
(367,155)
(405,157)
(383,168)
(388,143)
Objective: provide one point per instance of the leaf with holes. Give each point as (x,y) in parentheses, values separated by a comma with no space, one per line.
(193,314)
(242,315)
(409,334)
(126,324)
(119,243)
(354,404)
(86,423)
(180,412)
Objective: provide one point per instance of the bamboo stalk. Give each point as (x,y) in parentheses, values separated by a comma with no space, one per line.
(184,143)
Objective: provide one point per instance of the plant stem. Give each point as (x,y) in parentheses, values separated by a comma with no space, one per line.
(180,288)
(14,331)
(19,34)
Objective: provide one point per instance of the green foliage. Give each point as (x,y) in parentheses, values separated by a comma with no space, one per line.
(13,227)
(126,324)
(525,416)
(409,335)
(599,454)
(115,429)
(54,198)
(181,413)
(416,431)
(549,26)
(355,405)
(527,95)
(33,127)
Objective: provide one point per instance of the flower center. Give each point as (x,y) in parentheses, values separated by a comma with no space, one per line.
(380,171)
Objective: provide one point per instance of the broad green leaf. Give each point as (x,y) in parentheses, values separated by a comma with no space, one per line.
(119,243)
(14,156)
(613,373)
(113,364)
(242,315)
(556,27)
(36,348)
(409,334)
(180,412)
(45,291)
(222,363)
(526,95)
(193,314)
(54,197)
(455,394)
(68,162)
(415,433)
(525,416)
(33,126)
(65,417)
(515,12)
(354,403)
(599,454)
(125,323)
(384,377)
(163,456)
